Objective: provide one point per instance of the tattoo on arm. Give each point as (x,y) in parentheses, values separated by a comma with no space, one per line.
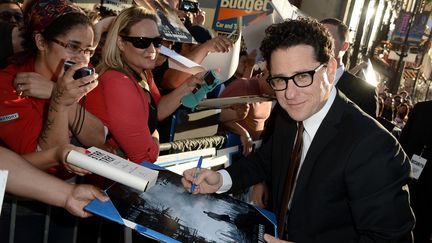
(47,126)
(52,109)
(57,95)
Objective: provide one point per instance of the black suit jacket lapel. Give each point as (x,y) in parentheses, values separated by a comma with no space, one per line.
(325,133)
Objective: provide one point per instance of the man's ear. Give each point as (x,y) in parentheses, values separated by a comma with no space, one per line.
(40,42)
(331,70)
(345,46)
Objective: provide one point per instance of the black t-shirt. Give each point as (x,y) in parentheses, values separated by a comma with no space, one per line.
(6,43)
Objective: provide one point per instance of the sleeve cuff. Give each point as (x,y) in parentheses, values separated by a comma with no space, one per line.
(226,181)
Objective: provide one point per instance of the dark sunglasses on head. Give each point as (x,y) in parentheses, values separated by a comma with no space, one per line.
(8,15)
(143,42)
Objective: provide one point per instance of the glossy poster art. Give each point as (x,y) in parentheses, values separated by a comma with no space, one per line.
(170,211)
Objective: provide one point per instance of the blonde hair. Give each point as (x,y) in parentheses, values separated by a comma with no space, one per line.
(111,54)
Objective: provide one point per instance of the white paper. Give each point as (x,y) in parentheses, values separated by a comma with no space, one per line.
(180,162)
(417,165)
(283,8)
(163,160)
(254,34)
(228,101)
(179,66)
(206,163)
(3,180)
(224,62)
(114,168)
(181,63)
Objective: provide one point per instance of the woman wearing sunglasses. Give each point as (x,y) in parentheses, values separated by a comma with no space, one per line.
(56,31)
(127,99)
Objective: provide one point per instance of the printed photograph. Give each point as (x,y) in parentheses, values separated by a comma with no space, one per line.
(168,209)
(170,26)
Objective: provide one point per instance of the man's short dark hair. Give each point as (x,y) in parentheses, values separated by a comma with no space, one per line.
(342,28)
(302,31)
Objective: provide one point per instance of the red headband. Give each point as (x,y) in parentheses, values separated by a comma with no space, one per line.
(44,12)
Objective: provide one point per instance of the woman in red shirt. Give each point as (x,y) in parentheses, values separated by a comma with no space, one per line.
(127,99)
(56,31)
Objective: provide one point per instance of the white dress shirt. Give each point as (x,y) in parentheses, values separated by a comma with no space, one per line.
(311,126)
(339,71)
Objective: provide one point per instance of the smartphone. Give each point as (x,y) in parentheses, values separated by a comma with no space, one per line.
(189,6)
(211,80)
(82,72)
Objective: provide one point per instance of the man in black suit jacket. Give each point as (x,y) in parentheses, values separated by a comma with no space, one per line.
(359,91)
(416,138)
(351,185)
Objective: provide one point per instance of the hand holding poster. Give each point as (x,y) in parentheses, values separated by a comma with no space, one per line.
(225,62)
(114,168)
(170,26)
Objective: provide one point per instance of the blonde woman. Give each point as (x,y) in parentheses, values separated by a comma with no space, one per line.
(127,99)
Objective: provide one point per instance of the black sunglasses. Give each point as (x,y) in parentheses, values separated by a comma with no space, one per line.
(143,42)
(8,15)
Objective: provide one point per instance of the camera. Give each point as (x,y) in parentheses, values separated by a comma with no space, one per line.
(211,80)
(82,72)
(189,6)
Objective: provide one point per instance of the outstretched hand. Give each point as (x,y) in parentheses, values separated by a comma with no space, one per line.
(218,44)
(208,181)
(80,196)
(63,151)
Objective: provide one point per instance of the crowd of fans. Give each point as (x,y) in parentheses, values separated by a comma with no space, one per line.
(394,110)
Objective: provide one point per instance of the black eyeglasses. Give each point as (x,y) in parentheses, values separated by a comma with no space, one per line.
(143,42)
(301,80)
(75,48)
(8,15)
